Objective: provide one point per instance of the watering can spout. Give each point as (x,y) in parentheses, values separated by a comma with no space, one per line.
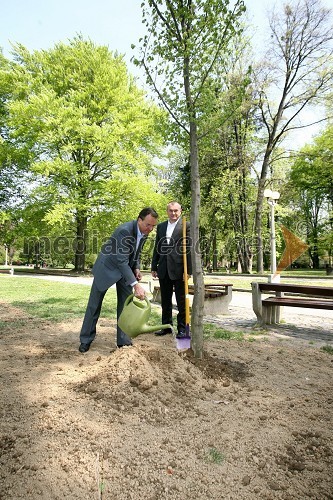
(134,317)
(154,328)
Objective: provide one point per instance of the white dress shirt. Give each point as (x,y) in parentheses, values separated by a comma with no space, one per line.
(170,228)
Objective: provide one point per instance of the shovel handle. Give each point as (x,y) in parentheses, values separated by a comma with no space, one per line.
(187,305)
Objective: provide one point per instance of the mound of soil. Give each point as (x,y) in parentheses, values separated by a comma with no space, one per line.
(250,420)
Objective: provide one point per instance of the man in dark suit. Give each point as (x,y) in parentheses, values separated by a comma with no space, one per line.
(118,262)
(168,266)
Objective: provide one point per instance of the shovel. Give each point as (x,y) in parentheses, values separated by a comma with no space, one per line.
(185,342)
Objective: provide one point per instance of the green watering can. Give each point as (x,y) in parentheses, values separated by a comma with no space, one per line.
(134,317)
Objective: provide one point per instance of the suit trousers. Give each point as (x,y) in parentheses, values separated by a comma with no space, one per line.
(88,330)
(167,287)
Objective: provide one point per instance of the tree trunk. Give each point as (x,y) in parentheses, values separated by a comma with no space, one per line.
(215,266)
(80,243)
(258,214)
(199,293)
(244,255)
(37,254)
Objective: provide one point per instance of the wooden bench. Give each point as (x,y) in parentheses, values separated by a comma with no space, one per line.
(7,271)
(217,297)
(268,311)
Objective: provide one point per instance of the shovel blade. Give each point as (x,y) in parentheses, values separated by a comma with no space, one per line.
(183,344)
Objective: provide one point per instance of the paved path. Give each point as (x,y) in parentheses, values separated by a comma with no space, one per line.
(306,324)
(313,325)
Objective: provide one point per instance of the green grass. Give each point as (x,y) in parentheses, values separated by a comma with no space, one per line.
(216,332)
(59,301)
(327,348)
(52,300)
(215,456)
(56,301)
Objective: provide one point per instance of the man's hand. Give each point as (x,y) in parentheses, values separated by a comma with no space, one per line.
(139,291)
(154,274)
(138,274)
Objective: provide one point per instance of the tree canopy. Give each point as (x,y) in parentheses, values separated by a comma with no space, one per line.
(82,125)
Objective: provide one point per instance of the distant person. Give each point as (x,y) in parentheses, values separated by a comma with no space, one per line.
(168,266)
(118,262)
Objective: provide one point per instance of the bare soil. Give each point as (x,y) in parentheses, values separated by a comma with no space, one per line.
(250,420)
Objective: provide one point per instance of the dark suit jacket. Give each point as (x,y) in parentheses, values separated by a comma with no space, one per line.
(169,257)
(118,257)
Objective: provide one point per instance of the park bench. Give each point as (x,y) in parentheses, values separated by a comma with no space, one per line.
(268,310)
(7,271)
(217,297)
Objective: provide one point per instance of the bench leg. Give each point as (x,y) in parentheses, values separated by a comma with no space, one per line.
(256,303)
(225,301)
(214,306)
(275,316)
(157,295)
(266,316)
(271,314)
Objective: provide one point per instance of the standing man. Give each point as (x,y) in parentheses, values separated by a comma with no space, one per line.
(118,262)
(168,266)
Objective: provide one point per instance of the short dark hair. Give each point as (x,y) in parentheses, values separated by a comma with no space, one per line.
(148,211)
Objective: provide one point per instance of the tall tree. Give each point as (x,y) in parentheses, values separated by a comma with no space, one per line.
(84,123)
(228,154)
(311,177)
(299,73)
(184,40)
(11,161)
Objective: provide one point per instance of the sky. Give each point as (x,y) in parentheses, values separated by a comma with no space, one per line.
(40,24)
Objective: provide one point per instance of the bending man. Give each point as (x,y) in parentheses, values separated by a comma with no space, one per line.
(118,262)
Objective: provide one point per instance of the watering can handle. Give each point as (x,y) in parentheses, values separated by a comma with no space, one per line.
(131,297)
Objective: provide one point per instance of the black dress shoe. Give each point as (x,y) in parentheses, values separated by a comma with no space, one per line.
(84,347)
(181,334)
(124,345)
(160,333)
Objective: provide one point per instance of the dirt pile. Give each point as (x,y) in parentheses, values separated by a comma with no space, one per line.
(250,420)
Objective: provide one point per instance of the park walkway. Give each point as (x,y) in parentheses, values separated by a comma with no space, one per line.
(313,325)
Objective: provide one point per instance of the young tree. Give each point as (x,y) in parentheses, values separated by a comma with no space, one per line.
(299,73)
(184,40)
(83,122)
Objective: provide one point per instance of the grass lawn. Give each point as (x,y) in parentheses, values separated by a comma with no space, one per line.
(55,301)
(60,301)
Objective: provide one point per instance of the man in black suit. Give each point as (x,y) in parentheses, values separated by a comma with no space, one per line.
(168,266)
(118,262)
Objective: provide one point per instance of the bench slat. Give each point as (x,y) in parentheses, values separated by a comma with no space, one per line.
(214,285)
(287,301)
(209,290)
(320,291)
